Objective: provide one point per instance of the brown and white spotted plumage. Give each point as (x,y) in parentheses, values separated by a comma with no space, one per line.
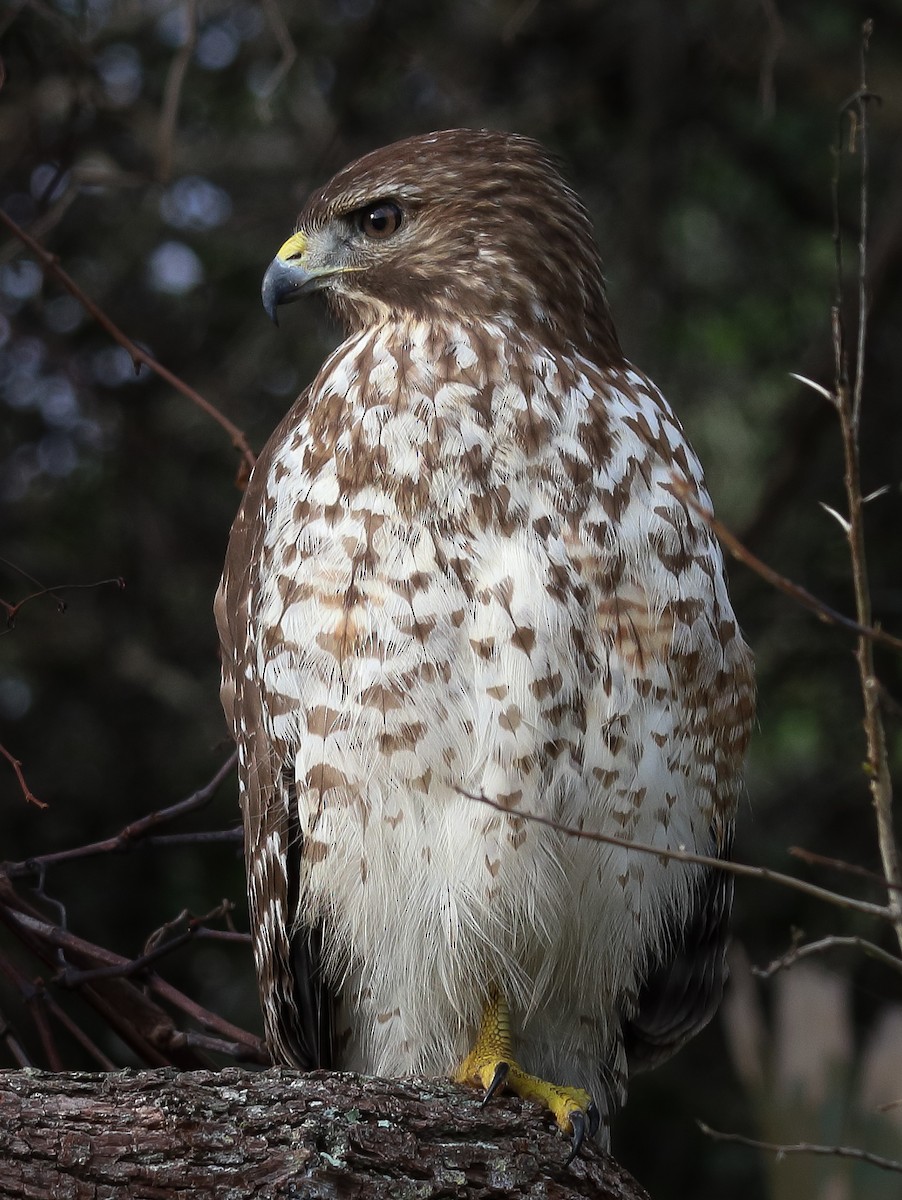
(465,565)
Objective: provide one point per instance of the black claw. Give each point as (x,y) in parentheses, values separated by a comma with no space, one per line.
(583,1124)
(501,1073)
(578,1123)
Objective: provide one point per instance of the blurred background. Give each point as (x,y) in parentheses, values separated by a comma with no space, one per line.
(162,150)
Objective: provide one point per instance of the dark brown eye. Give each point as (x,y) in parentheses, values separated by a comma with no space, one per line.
(381,220)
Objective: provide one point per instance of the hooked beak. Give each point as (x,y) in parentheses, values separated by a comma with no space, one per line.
(287,279)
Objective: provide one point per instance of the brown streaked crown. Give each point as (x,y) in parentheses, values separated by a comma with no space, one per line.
(488,228)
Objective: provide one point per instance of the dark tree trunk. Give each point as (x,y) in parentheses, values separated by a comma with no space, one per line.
(162,1135)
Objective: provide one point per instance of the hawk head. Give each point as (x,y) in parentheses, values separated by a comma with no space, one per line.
(462,224)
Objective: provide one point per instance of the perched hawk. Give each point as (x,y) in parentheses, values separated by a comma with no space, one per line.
(465,567)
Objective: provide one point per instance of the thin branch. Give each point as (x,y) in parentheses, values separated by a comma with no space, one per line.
(849,410)
(203,837)
(876,1160)
(215,1045)
(861,103)
(234,936)
(794,590)
(222,911)
(13,610)
(148,1028)
(796,953)
(101,978)
(702,860)
(11,1040)
(139,357)
(253,1048)
(289,50)
(839,864)
(47,221)
(132,834)
(78,1034)
(38,1010)
(31,579)
(158,948)
(33,995)
(172,94)
(775,40)
(127,1009)
(17,767)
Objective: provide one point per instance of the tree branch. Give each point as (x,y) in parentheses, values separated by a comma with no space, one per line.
(51,266)
(794,590)
(172,94)
(876,1160)
(287,48)
(131,835)
(279,1134)
(702,860)
(839,864)
(796,953)
(848,407)
(16,765)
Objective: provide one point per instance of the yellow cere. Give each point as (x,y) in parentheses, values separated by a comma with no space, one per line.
(293,248)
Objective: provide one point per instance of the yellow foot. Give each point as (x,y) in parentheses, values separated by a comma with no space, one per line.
(491,1065)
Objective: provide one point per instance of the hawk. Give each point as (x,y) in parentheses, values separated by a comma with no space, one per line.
(469,565)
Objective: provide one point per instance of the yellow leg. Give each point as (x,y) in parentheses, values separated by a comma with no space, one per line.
(491,1065)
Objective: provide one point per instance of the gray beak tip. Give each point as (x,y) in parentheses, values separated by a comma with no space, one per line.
(283,283)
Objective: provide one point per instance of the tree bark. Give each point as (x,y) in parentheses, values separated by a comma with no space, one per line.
(165,1134)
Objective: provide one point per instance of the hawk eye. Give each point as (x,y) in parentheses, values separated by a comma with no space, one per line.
(380,221)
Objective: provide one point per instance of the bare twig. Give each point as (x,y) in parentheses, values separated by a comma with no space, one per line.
(803,427)
(839,864)
(861,102)
(827,614)
(848,405)
(172,93)
(78,1034)
(202,837)
(215,1045)
(252,1049)
(156,947)
(876,1160)
(128,1009)
(222,911)
(35,1002)
(139,356)
(11,1040)
(702,860)
(104,980)
(289,50)
(33,995)
(774,42)
(796,953)
(133,833)
(13,610)
(17,767)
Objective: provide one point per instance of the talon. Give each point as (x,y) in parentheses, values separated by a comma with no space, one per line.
(594,1118)
(492,1065)
(502,1070)
(578,1125)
